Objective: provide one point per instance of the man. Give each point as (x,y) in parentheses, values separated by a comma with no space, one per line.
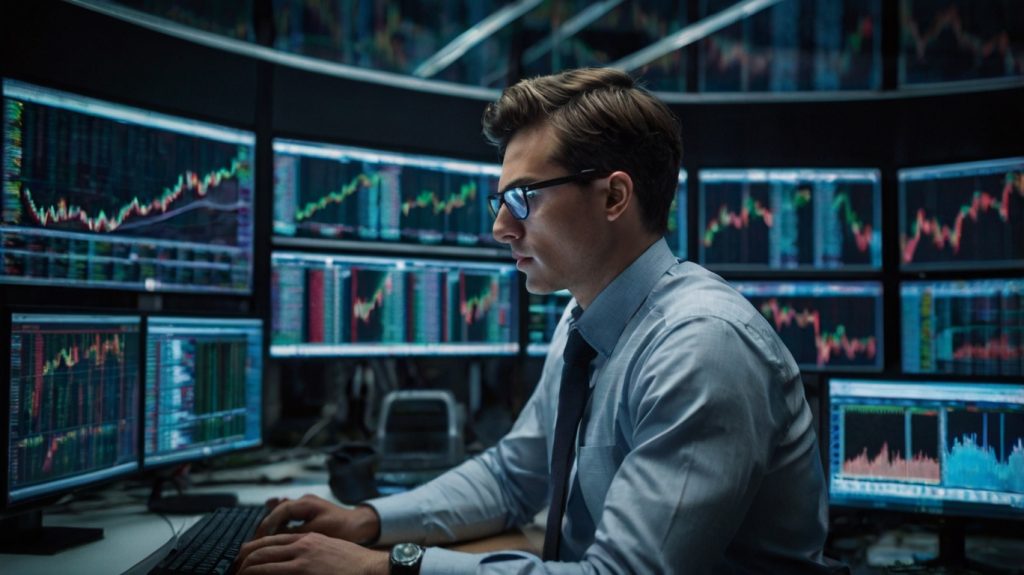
(691,448)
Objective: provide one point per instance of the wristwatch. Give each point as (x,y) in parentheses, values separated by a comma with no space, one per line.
(405,559)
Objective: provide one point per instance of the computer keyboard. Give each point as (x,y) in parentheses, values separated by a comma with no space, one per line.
(211,544)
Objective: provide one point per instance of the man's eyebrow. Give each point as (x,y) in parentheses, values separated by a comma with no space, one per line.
(519,182)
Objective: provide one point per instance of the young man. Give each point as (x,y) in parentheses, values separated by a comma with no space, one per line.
(677,440)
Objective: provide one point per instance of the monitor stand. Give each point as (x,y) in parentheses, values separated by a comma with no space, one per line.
(24,534)
(187,503)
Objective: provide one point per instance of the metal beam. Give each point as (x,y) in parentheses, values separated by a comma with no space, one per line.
(473,36)
(568,29)
(692,33)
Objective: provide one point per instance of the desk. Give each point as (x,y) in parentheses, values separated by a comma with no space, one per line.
(132,534)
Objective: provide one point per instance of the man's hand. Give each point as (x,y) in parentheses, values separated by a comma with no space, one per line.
(306,553)
(359,525)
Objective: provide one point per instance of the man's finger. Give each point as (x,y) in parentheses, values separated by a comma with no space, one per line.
(258,546)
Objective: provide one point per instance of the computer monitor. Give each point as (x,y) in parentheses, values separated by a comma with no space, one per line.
(341,305)
(963,326)
(326,191)
(962,216)
(947,448)
(72,413)
(545,311)
(827,326)
(101,195)
(203,388)
(790,219)
(958,41)
(793,46)
(203,397)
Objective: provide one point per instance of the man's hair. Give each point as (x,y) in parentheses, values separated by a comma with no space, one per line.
(603,120)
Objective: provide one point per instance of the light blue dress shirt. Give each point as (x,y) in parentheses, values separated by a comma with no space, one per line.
(696,453)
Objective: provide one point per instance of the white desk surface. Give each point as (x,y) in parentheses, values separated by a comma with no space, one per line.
(131,534)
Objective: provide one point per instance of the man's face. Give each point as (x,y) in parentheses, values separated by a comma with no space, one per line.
(559,244)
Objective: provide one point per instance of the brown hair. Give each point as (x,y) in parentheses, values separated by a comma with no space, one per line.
(603,120)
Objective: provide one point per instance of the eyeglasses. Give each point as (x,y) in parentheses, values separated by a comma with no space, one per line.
(516,198)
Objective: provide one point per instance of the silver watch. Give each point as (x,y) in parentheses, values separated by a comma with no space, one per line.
(405,559)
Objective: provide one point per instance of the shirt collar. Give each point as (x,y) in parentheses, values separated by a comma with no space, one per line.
(611,310)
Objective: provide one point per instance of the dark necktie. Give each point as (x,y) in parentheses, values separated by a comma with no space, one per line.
(572,397)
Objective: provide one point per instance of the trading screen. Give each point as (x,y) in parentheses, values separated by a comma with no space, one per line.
(203,387)
(963,326)
(74,388)
(939,447)
(790,219)
(352,305)
(962,216)
(827,326)
(102,195)
(340,192)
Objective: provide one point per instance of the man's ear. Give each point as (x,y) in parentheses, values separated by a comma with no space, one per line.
(619,195)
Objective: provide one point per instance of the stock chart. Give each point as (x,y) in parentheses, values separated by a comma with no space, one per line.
(957,40)
(963,326)
(338,192)
(962,216)
(74,387)
(352,305)
(102,195)
(545,311)
(776,50)
(790,219)
(834,326)
(935,446)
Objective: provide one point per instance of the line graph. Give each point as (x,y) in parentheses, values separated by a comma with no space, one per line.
(105,195)
(826,326)
(329,191)
(967,216)
(958,40)
(200,185)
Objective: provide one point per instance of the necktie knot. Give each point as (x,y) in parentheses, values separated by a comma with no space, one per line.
(577,350)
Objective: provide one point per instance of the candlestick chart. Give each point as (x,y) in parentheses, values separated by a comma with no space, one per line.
(545,311)
(962,216)
(790,219)
(826,326)
(103,195)
(73,399)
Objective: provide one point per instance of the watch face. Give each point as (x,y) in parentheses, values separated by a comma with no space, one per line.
(406,553)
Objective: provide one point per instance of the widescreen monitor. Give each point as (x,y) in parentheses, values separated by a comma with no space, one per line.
(962,216)
(827,326)
(940,447)
(971,327)
(101,195)
(790,219)
(326,191)
(73,416)
(340,305)
(960,41)
(203,388)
